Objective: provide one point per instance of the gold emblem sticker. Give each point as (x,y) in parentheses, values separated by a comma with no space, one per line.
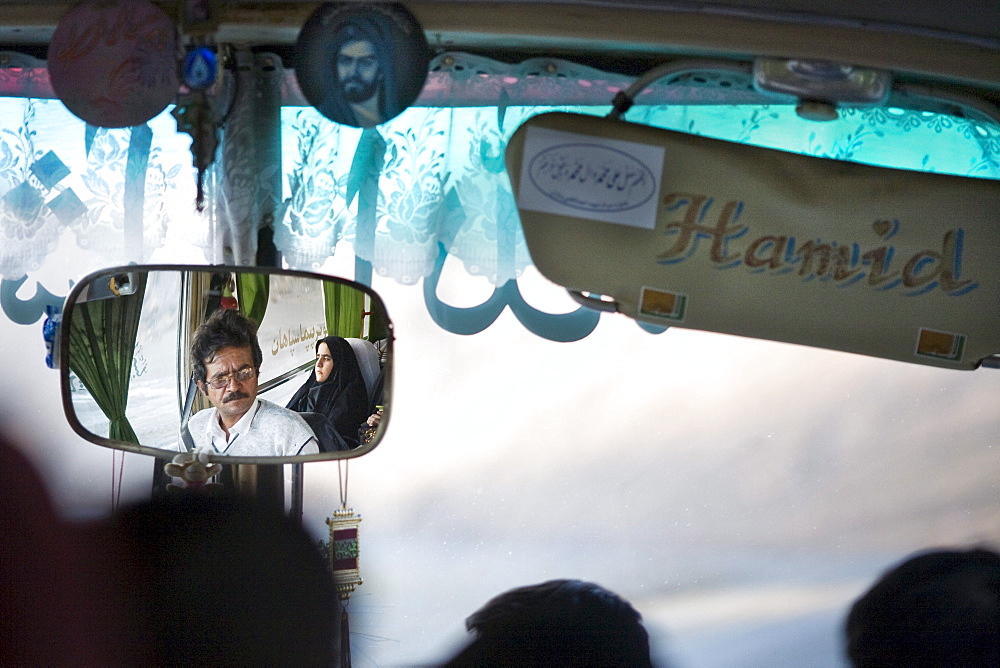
(661,304)
(941,345)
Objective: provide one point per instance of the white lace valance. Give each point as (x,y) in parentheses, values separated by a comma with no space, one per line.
(409,193)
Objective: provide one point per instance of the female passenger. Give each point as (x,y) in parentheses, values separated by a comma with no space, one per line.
(336,390)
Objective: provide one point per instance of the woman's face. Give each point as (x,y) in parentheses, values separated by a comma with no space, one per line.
(324,363)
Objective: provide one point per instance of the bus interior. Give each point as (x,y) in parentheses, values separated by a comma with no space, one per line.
(697,301)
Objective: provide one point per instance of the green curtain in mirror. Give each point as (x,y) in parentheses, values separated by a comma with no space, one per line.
(345,307)
(252,292)
(102,344)
(377,329)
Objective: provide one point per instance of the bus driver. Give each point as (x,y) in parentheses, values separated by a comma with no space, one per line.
(227,359)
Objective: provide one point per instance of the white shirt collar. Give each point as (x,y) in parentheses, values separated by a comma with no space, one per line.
(218,436)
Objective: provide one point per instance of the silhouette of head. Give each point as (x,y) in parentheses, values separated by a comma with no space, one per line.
(938,608)
(222,582)
(556,623)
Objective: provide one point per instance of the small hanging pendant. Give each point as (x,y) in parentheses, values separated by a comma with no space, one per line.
(343,555)
(344,551)
(200,68)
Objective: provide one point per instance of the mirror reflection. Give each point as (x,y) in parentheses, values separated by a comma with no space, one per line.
(239,361)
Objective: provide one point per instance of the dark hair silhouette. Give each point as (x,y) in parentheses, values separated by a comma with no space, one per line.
(216,581)
(223,329)
(54,607)
(938,608)
(556,623)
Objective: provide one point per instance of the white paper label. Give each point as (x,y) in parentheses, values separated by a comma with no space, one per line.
(590,177)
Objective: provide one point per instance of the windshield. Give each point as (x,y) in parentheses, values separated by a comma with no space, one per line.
(739,493)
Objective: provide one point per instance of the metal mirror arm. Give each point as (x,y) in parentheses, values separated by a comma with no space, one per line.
(186,437)
(624,100)
(594,301)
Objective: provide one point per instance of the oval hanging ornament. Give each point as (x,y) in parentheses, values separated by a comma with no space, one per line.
(114,63)
(361,64)
(199,68)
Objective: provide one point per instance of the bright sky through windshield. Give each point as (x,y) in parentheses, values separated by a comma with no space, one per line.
(684,470)
(736,491)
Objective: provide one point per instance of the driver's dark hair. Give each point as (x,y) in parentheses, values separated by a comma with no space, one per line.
(556,623)
(225,328)
(937,608)
(215,580)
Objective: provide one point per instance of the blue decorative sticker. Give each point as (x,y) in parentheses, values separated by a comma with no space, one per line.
(200,68)
(49,170)
(67,206)
(25,200)
(50,332)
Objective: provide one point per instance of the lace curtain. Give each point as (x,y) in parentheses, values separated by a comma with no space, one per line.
(115,191)
(405,195)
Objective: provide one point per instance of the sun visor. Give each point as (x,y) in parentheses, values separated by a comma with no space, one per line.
(679,230)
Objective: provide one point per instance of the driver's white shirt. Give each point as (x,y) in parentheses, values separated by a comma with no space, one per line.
(265,430)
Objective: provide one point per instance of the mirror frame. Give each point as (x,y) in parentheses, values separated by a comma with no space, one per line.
(64,370)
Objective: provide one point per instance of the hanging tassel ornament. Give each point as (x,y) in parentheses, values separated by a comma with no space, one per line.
(343,554)
(344,551)
(196,107)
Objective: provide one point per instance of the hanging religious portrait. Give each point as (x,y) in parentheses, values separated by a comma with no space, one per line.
(361,64)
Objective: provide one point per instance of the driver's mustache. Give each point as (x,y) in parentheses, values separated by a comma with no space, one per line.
(233,396)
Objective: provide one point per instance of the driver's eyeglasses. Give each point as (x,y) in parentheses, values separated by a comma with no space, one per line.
(240,376)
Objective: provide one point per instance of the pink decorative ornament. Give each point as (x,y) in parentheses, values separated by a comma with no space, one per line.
(113,63)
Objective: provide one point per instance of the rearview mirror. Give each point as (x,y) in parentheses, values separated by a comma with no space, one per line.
(256,365)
